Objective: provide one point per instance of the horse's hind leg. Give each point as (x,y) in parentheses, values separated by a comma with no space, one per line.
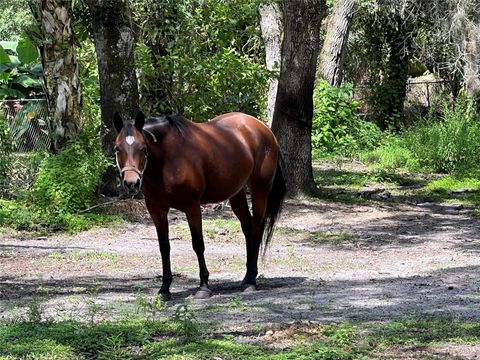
(239,206)
(194,217)
(160,220)
(259,204)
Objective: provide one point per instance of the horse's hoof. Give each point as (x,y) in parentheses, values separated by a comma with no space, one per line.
(165,296)
(203,293)
(250,288)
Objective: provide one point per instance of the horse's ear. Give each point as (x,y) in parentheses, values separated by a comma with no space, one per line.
(117,122)
(140,121)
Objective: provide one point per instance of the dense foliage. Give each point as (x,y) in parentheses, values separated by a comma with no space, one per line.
(20,71)
(337,126)
(15,18)
(201,58)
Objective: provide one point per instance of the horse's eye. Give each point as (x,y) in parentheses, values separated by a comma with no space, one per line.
(115,148)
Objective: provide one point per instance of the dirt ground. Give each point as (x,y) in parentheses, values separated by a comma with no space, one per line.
(329,262)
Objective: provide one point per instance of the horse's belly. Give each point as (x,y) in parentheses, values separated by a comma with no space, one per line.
(222,187)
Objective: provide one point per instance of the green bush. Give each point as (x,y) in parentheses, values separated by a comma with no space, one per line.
(67,182)
(337,127)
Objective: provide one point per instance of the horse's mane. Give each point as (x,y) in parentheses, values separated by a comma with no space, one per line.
(175,120)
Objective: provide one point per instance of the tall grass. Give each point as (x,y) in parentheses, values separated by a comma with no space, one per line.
(448,143)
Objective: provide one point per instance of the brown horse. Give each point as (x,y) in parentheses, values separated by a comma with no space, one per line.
(181,164)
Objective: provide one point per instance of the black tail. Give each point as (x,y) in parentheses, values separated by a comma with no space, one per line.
(274,203)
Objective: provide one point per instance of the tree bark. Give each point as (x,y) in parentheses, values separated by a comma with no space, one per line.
(114,45)
(472,64)
(292,118)
(271,26)
(333,51)
(394,87)
(60,69)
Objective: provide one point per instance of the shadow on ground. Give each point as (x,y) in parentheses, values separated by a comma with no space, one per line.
(449,292)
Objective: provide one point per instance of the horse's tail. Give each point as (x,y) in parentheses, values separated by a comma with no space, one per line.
(274,203)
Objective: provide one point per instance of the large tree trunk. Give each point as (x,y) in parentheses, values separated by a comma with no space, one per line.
(60,69)
(271,26)
(114,45)
(472,64)
(333,50)
(394,87)
(292,118)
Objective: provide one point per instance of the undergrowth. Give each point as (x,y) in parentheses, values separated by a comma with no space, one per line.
(446,143)
(61,186)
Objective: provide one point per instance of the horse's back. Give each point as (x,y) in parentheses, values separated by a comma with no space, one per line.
(256,137)
(242,147)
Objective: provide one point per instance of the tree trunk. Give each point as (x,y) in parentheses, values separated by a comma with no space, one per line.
(472,64)
(333,50)
(271,26)
(60,69)
(394,87)
(114,45)
(292,118)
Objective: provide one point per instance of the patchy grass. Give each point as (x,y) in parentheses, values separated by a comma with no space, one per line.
(383,186)
(225,228)
(329,237)
(155,332)
(76,255)
(425,331)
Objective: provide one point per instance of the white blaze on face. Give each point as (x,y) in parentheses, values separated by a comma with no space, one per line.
(130,140)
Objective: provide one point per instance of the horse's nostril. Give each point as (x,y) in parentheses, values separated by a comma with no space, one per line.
(131,185)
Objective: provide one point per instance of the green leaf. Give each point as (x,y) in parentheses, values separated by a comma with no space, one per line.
(10,93)
(36,70)
(9,45)
(26,51)
(27,81)
(4,58)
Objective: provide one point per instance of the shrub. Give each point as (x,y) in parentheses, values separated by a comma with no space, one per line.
(67,182)
(337,127)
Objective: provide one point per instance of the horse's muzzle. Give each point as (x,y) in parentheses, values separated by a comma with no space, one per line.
(132,186)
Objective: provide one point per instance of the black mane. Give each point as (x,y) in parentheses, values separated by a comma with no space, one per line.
(175,120)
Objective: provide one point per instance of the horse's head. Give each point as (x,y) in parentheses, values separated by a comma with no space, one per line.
(131,151)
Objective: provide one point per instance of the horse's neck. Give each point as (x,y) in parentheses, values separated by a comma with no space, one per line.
(163,138)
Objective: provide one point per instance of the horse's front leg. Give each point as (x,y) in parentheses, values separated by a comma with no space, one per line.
(194,217)
(160,219)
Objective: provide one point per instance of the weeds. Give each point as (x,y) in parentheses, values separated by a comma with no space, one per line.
(150,308)
(186,321)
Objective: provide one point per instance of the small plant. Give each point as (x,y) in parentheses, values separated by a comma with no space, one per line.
(93,308)
(113,349)
(34,311)
(150,307)
(186,321)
